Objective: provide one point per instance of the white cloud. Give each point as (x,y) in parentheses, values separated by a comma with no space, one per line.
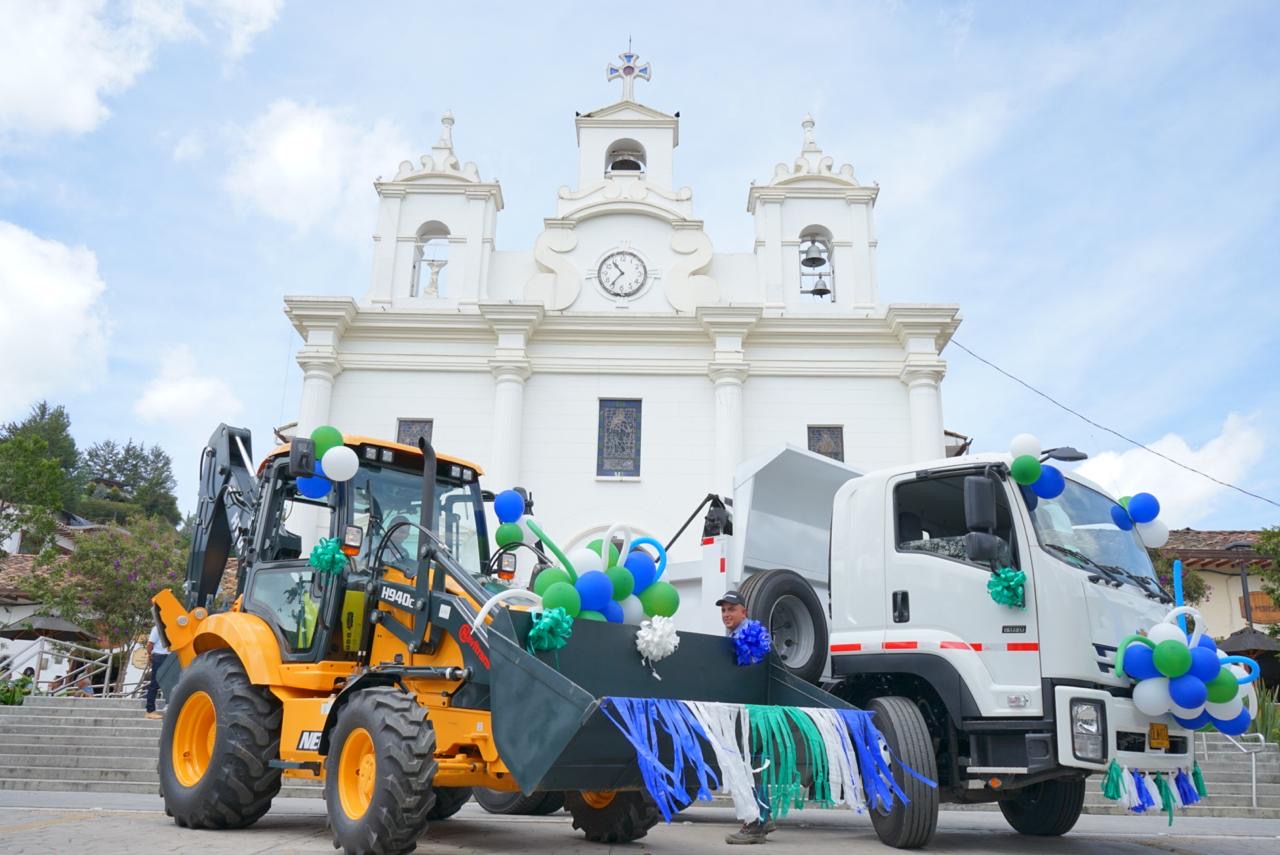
(52,332)
(60,61)
(1184,496)
(308,167)
(190,147)
(180,395)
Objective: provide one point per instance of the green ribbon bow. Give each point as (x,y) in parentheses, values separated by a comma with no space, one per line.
(1006,587)
(327,556)
(550,631)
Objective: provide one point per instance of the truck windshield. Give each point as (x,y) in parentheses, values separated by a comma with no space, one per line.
(384,496)
(1077,527)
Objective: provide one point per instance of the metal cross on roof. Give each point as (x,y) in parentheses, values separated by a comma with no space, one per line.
(629,70)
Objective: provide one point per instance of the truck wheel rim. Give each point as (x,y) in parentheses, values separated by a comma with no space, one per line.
(598,799)
(792,630)
(194,735)
(887,755)
(357,773)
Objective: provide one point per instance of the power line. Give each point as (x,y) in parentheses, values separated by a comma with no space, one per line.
(1127,439)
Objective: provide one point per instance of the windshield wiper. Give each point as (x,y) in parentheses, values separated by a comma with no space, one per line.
(1146,583)
(1109,573)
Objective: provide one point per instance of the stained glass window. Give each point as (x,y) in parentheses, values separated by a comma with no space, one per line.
(827,440)
(618,438)
(409,431)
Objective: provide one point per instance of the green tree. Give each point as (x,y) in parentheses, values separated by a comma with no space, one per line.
(52,425)
(106,584)
(131,478)
(30,491)
(1268,546)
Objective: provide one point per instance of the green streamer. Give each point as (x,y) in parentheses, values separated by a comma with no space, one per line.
(1166,795)
(1007,587)
(771,742)
(555,550)
(1113,783)
(1124,645)
(327,556)
(815,750)
(1201,790)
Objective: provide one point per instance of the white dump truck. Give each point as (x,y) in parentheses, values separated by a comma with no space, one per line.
(874,585)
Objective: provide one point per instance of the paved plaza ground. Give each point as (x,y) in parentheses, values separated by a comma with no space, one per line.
(33,822)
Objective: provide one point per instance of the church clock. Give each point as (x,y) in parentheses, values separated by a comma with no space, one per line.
(622,274)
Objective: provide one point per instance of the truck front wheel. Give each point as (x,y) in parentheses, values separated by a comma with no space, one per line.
(517,803)
(902,725)
(1047,809)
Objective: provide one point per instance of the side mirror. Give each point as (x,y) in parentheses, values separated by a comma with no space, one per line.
(982,547)
(979,503)
(302,457)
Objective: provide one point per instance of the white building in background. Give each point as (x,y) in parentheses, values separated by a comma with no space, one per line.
(621,368)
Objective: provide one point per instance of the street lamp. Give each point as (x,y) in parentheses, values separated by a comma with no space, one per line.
(1244,578)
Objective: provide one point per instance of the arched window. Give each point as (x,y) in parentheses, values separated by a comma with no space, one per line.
(625,157)
(817,275)
(430,260)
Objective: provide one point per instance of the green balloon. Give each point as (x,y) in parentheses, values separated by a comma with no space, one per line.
(326,437)
(508,533)
(1025,470)
(660,598)
(623,582)
(614,557)
(1223,687)
(1124,502)
(562,595)
(588,614)
(549,577)
(1172,658)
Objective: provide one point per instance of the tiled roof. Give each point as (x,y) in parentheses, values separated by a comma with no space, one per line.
(1206,550)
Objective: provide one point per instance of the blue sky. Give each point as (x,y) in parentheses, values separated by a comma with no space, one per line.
(1096,184)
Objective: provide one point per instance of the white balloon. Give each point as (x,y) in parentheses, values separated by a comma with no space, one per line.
(340,463)
(584,560)
(1226,711)
(1151,696)
(632,610)
(1166,632)
(1154,534)
(1183,712)
(1025,443)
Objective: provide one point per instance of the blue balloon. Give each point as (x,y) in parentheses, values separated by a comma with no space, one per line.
(1194,723)
(1206,641)
(1029,497)
(1204,665)
(1234,726)
(613,611)
(317,486)
(509,506)
(1120,517)
(1050,484)
(1139,662)
(595,589)
(1143,507)
(1188,692)
(642,567)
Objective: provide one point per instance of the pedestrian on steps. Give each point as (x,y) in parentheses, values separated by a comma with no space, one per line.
(158,651)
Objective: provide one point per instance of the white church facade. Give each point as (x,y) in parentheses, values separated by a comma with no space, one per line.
(622,368)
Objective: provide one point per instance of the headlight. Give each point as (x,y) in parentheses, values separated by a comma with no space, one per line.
(1088,731)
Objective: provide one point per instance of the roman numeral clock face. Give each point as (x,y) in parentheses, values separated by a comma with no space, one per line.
(622,274)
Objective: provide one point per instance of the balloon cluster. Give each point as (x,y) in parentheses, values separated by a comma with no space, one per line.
(598,581)
(1140,511)
(1044,480)
(334,462)
(1187,677)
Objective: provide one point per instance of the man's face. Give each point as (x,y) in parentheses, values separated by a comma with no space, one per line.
(732,614)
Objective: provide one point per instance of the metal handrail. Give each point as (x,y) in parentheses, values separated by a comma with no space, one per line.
(89,662)
(1243,749)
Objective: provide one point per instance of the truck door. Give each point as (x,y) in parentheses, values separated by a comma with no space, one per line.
(938,603)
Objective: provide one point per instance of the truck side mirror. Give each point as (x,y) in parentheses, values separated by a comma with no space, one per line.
(302,457)
(979,503)
(983,548)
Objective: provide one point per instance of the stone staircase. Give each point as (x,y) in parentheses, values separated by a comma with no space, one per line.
(102,745)
(106,745)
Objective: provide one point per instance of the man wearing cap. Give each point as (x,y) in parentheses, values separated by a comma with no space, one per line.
(733,614)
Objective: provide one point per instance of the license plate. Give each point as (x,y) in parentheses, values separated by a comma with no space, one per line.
(1158,736)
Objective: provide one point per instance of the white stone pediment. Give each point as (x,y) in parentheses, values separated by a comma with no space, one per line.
(627,110)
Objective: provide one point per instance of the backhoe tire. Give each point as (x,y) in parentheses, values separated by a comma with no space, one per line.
(787,605)
(378,775)
(618,817)
(912,825)
(1047,809)
(517,803)
(219,733)
(449,800)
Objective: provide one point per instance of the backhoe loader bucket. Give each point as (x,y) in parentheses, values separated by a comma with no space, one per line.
(547,720)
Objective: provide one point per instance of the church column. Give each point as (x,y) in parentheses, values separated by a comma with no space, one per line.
(728,380)
(925,408)
(322,322)
(318,374)
(513,323)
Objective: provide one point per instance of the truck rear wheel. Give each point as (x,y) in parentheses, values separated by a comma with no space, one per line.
(612,817)
(517,803)
(449,800)
(912,825)
(219,733)
(377,786)
(1047,809)
(786,603)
